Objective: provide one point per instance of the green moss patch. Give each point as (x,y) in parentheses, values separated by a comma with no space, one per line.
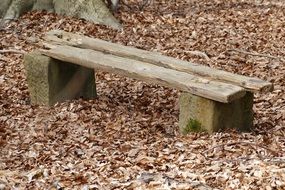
(193,125)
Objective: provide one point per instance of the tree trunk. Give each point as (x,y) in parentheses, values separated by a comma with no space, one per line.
(91,10)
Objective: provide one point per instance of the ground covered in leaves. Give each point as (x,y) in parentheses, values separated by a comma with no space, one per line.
(128,137)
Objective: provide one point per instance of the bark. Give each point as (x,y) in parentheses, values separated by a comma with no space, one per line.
(91,10)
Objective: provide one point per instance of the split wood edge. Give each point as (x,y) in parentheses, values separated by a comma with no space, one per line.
(80,41)
(215,90)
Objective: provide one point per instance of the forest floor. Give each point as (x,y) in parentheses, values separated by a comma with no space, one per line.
(128,137)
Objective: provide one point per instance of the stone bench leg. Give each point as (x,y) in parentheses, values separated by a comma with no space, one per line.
(51,81)
(201,114)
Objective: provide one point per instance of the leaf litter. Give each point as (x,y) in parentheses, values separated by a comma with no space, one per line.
(127,138)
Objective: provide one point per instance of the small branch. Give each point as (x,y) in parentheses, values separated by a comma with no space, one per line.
(276,160)
(238,142)
(144,4)
(273,160)
(256,54)
(219,146)
(12,51)
(199,54)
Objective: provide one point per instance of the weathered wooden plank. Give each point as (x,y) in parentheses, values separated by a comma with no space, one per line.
(76,40)
(199,86)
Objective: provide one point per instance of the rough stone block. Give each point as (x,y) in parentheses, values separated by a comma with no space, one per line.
(51,80)
(201,114)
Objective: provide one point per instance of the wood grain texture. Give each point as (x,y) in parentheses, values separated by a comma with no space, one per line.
(199,86)
(76,40)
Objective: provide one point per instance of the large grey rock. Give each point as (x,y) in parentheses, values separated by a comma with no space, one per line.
(51,81)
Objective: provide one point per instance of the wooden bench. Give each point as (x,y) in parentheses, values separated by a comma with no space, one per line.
(211,99)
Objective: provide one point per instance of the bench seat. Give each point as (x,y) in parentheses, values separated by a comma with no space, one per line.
(212,99)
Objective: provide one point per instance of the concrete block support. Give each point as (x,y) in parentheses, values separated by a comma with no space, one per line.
(201,114)
(51,81)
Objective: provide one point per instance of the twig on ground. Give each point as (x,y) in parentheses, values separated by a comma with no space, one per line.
(199,54)
(144,4)
(269,160)
(12,51)
(276,160)
(239,142)
(256,54)
(273,160)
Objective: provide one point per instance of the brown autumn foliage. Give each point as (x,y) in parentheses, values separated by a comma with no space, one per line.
(128,138)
